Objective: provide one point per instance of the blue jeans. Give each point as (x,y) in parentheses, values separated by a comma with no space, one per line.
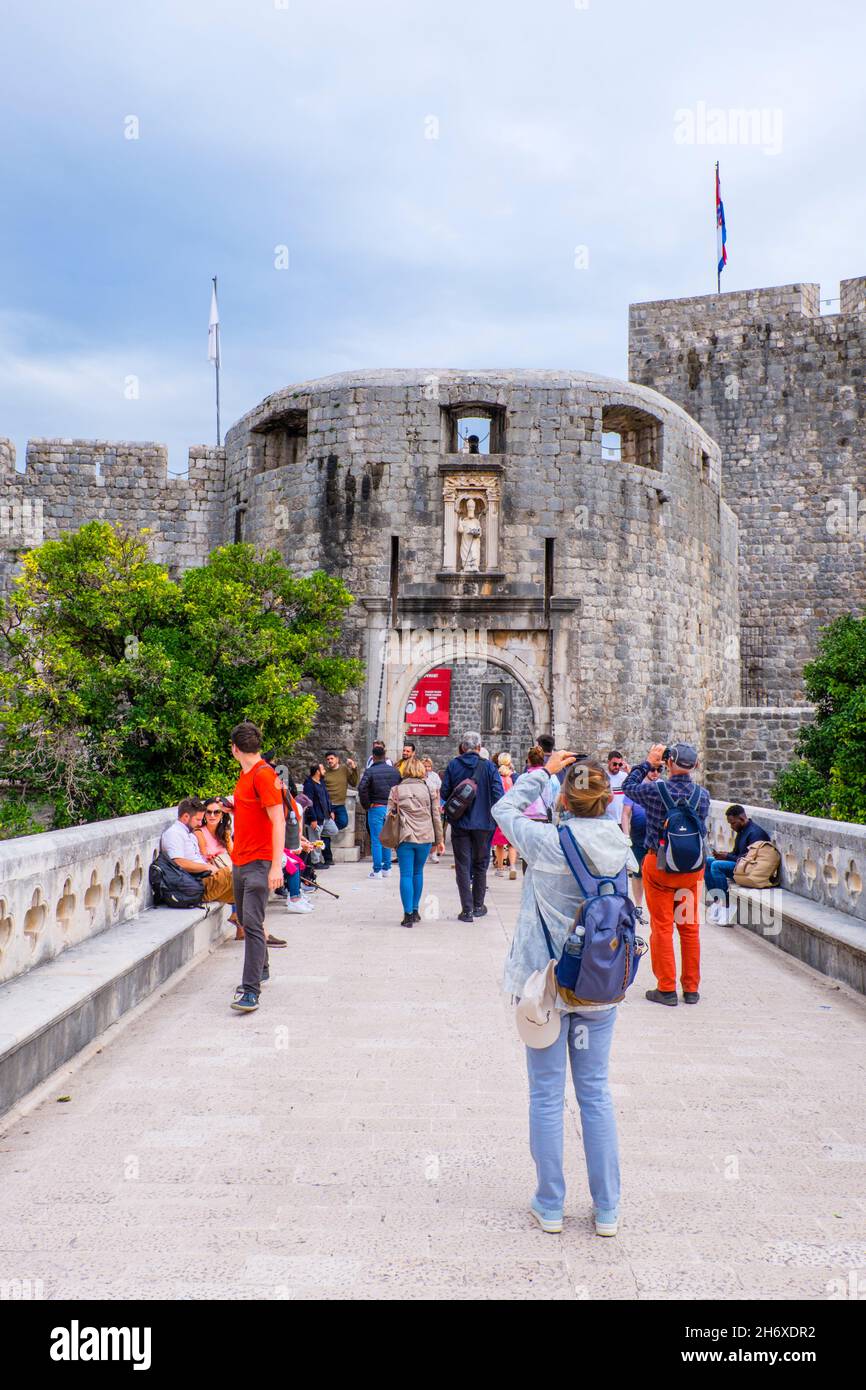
(293,883)
(717,875)
(412,857)
(341,820)
(375,821)
(585,1039)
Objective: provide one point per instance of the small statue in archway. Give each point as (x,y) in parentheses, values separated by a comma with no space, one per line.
(497,712)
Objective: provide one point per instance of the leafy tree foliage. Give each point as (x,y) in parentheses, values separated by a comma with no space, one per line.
(829,776)
(119,686)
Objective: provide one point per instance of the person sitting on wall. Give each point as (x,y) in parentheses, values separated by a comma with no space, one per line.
(339,777)
(719,872)
(179,844)
(320,810)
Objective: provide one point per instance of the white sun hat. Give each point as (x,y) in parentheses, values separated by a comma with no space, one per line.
(538,1019)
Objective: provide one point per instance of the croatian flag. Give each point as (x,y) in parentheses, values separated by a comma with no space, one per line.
(721,232)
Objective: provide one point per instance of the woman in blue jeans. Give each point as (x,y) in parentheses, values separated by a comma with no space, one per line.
(551,892)
(419,828)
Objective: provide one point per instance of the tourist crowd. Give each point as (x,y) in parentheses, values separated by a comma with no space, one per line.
(596,841)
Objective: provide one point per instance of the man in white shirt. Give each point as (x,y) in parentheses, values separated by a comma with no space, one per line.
(617,771)
(179,844)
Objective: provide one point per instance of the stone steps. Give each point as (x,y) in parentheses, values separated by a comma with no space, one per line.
(54,1010)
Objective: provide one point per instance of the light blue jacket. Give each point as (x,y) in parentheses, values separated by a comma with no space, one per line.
(549,884)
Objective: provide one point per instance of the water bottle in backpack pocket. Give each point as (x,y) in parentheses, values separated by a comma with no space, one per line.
(602,952)
(681,839)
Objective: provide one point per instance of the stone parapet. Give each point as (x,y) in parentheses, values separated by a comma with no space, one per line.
(822,860)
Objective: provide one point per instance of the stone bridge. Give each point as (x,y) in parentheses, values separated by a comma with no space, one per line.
(364,1134)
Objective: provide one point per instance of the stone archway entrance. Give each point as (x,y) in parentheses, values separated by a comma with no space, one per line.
(488,694)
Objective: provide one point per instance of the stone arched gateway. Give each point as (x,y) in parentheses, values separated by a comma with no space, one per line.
(476,679)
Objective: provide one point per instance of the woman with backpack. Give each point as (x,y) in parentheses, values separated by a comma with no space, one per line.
(552,898)
(418,827)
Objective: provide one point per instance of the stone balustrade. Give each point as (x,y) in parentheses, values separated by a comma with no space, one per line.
(822,860)
(59,888)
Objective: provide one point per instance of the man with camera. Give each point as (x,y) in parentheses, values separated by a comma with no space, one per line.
(673,866)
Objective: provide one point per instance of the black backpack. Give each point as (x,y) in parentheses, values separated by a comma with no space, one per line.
(174,887)
(460,800)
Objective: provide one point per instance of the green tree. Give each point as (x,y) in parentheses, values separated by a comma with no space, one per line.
(119,687)
(829,776)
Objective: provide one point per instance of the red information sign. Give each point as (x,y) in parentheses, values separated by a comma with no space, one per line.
(429,705)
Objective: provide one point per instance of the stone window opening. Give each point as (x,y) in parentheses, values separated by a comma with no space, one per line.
(474,428)
(281,443)
(630,435)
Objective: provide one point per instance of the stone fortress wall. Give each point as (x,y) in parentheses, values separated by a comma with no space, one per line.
(781,388)
(67,482)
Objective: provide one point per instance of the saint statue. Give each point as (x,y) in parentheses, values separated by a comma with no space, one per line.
(497,712)
(469,531)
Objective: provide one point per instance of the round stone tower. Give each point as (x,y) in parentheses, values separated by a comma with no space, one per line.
(552,545)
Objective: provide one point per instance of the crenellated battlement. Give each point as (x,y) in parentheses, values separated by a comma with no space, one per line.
(702,314)
(66,482)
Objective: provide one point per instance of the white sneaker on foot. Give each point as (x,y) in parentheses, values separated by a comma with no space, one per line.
(386,873)
(606,1223)
(375,873)
(299,905)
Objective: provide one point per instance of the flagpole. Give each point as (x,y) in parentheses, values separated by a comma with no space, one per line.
(217,366)
(716,220)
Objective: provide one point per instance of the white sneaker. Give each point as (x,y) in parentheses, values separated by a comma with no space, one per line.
(386,873)
(298,905)
(434,858)
(375,873)
(606,1223)
(499,873)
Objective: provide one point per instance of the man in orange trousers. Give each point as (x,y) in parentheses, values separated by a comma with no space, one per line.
(672,899)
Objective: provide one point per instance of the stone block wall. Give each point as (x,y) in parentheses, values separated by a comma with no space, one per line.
(781,388)
(746,747)
(67,482)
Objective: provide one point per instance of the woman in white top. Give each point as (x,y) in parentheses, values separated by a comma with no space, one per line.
(552,895)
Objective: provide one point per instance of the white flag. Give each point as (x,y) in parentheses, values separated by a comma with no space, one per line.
(213,330)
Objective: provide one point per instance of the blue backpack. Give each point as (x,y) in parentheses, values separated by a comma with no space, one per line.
(681,841)
(602,951)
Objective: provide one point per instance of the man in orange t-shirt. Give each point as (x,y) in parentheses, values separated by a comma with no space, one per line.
(257,854)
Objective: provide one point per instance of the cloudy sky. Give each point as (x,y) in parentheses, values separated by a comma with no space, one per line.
(473,184)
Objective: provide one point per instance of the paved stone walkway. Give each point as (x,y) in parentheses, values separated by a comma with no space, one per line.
(364,1134)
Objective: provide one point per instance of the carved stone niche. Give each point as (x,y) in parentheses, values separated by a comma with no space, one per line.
(471,535)
(496,709)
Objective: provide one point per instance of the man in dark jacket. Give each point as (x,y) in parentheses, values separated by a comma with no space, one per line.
(320,809)
(471,834)
(719,872)
(378,779)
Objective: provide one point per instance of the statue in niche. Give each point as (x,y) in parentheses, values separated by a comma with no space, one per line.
(469,532)
(496,712)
